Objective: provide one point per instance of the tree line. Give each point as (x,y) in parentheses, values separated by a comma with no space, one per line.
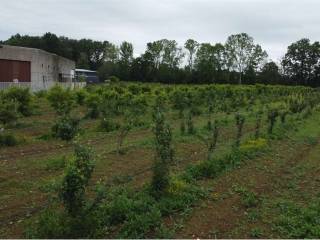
(238,60)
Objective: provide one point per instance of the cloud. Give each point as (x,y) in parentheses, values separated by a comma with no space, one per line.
(274,24)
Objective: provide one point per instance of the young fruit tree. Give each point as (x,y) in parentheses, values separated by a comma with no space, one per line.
(164,154)
(240,119)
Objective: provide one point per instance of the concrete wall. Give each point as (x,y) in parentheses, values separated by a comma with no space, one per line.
(46,68)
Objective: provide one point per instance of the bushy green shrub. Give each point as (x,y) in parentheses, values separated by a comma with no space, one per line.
(7,140)
(139,225)
(249,199)
(51,224)
(22,97)
(138,214)
(66,128)
(62,100)
(106,124)
(93,102)
(114,79)
(80,96)
(8,111)
(41,94)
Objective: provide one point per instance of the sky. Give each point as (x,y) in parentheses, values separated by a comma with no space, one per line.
(274,24)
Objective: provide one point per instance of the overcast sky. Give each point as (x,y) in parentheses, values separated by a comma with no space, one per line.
(273,23)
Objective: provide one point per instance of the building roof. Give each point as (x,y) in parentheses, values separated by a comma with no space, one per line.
(32,49)
(84,70)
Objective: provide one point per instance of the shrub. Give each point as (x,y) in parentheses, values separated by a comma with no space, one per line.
(8,111)
(108,125)
(93,102)
(206,169)
(137,212)
(256,232)
(249,199)
(184,196)
(80,96)
(66,128)
(22,97)
(116,210)
(138,225)
(114,79)
(62,100)
(51,224)
(7,140)
(41,93)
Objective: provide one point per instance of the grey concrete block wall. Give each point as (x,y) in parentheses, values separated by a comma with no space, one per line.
(45,67)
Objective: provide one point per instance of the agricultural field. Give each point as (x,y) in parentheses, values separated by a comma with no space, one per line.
(160,161)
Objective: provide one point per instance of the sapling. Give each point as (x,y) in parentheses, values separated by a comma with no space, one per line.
(131,111)
(210,111)
(164,154)
(272,118)
(190,125)
(258,124)
(123,133)
(182,126)
(77,176)
(211,141)
(283,116)
(240,119)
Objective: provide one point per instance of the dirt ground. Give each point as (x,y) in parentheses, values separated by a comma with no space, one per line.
(290,172)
